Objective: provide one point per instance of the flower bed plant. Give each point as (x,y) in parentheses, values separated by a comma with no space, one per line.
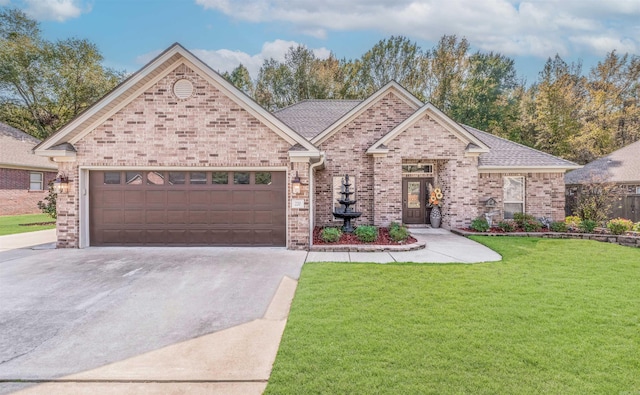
(384,236)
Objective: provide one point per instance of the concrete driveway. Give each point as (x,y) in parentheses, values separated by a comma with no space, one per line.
(143,320)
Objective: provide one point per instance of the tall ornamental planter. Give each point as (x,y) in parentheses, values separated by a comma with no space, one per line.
(435,200)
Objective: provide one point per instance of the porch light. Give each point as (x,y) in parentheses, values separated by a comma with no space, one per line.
(61,184)
(295,184)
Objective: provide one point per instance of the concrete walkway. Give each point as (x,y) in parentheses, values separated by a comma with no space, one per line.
(28,239)
(442,246)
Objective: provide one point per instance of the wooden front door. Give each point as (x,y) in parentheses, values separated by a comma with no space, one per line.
(414,199)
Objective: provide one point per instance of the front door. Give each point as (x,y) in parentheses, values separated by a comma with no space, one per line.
(414,200)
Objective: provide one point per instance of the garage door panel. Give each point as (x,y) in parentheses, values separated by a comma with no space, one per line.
(185,214)
(133,217)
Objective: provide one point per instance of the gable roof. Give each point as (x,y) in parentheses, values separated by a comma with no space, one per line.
(142,80)
(310,117)
(505,153)
(621,166)
(392,86)
(473,143)
(16,151)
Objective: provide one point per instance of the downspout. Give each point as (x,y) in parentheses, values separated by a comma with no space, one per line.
(312,196)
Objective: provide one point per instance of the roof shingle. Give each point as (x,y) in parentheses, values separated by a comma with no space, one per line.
(310,117)
(621,166)
(16,150)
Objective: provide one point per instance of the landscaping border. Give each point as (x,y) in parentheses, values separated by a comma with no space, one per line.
(418,245)
(623,240)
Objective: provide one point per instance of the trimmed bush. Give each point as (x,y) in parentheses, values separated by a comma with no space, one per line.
(394,225)
(398,233)
(619,226)
(480,224)
(507,225)
(636,227)
(558,226)
(366,233)
(330,235)
(531,225)
(522,218)
(588,225)
(573,222)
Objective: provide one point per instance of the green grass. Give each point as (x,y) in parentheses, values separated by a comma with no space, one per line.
(10,224)
(554,317)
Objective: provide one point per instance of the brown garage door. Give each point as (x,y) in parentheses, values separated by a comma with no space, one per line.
(187,208)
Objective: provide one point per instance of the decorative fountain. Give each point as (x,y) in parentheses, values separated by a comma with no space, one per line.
(346,212)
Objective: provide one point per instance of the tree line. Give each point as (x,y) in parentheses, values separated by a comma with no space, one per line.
(565,112)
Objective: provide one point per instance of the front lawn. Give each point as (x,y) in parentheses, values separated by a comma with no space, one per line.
(12,224)
(555,316)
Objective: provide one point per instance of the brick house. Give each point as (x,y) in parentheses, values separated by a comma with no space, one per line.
(24,177)
(176,155)
(621,170)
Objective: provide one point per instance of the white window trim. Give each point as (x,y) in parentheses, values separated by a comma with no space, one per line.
(524,194)
(335,193)
(637,190)
(41,180)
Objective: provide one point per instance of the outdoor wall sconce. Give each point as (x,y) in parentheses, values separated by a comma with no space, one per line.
(61,184)
(295,187)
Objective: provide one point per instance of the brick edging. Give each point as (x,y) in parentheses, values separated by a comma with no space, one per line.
(418,245)
(627,241)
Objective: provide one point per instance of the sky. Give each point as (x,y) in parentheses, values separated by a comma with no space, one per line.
(225,33)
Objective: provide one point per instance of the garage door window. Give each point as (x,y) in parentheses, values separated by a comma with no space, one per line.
(240,178)
(177,178)
(155,178)
(263,178)
(134,178)
(198,178)
(219,177)
(112,178)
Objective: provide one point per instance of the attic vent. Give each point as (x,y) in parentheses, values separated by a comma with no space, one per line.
(183,89)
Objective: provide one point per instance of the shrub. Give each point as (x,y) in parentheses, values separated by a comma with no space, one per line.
(398,233)
(394,225)
(366,233)
(507,226)
(558,226)
(573,222)
(636,227)
(619,226)
(49,205)
(330,235)
(588,225)
(480,224)
(521,218)
(531,225)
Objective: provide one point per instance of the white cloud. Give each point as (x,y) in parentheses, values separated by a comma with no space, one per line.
(226,60)
(513,27)
(56,10)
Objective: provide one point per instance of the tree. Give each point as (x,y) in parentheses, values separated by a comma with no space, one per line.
(241,79)
(43,84)
(447,69)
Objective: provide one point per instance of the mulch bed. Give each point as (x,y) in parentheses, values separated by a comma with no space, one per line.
(39,223)
(383,238)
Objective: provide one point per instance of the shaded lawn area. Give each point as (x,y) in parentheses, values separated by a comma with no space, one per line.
(11,224)
(555,316)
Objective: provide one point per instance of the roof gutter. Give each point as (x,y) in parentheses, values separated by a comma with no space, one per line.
(312,170)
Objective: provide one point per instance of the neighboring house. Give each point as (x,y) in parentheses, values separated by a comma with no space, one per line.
(24,177)
(622,168)
(176,155)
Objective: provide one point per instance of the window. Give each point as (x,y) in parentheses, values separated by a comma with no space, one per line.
(219,177)
(240,178)
(513,189)
(111,177)
(338,188)
(133,178)
(638,190)
(417,169)
(35,181)
(197,177)
(177,177)
(155,178)
(263,178)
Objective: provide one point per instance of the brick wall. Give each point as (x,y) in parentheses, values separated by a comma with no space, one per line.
(346,154)
(15,196)
(157,129)
(456,173)
(544,193)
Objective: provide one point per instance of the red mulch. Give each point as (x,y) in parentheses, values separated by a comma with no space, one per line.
(383,238)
